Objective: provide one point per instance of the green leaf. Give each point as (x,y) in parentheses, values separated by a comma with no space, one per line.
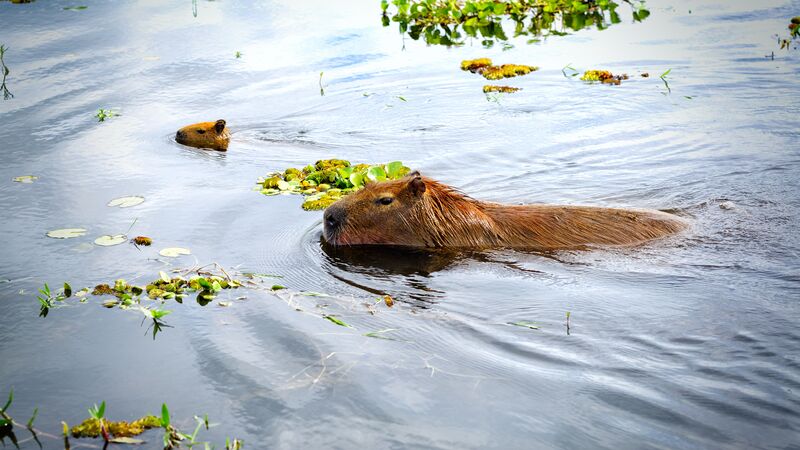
(666,73)
(215,286)
(204,283)
(277,287)
(10,400)
(284,185)
(126,440)
(67,290)
(66,233)
(395,169)
(164,276)
(33,417)
(27,179)
(376,173)
(337,321)
(164,416)
(357,178)
(379,334)
(126,202)
(526,324)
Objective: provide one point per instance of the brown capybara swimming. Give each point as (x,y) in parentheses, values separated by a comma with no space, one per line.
(211,135)
(416,211)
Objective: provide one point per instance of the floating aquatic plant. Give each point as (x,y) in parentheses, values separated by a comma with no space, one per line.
(93,427)
(484,66)
(174,252)
(25,179)
(327,180)
(451,22)
(502,89)
(66,233)
(103,114)
(126,202)
(603,76)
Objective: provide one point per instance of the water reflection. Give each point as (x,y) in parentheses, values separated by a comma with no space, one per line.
(448,24)
(7,95)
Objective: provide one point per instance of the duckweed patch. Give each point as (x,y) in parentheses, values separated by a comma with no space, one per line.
(90,428)
(603,76)
(502,89)
(327,180)
(454,22)
(484,66)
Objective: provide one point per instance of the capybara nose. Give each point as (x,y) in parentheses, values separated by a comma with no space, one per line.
(180,135)
(334,217)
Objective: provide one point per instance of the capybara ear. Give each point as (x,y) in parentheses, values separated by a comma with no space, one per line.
(417,185)
(219,126)
(414,174)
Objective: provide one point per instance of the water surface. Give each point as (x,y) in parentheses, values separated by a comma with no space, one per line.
(686,343)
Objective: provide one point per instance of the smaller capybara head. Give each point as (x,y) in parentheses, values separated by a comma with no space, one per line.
(213,135)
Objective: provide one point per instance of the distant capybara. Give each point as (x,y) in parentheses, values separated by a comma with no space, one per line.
(211,135)
(416,211)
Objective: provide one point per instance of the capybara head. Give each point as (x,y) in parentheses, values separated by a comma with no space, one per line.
(213,135)
(412,211)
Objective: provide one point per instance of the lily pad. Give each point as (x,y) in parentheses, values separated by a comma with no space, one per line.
(126,202)
(66,233)
(107,240)
(174,252)
(25,179)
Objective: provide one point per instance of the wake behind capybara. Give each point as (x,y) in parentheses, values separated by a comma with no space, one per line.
(213,135)
(417,211)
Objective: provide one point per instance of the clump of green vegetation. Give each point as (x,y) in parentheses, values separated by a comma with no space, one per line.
(794,33)
(451,22)
(48,299)
(328,180)
(91,427)
(166,288)
(603,76)
(502,89)
(483,66)
(103,114)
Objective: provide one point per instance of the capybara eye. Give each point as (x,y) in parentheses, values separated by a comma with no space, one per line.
(201,131)
(385,200)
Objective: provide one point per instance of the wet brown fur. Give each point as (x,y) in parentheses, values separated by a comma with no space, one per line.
(213,135)
(426,213)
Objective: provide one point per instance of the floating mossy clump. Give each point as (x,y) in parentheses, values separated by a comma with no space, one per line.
(603,76)
(90,428)
(502,89)
(483,66)
(328,180)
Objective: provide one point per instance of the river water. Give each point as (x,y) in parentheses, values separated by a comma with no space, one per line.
(686,343)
